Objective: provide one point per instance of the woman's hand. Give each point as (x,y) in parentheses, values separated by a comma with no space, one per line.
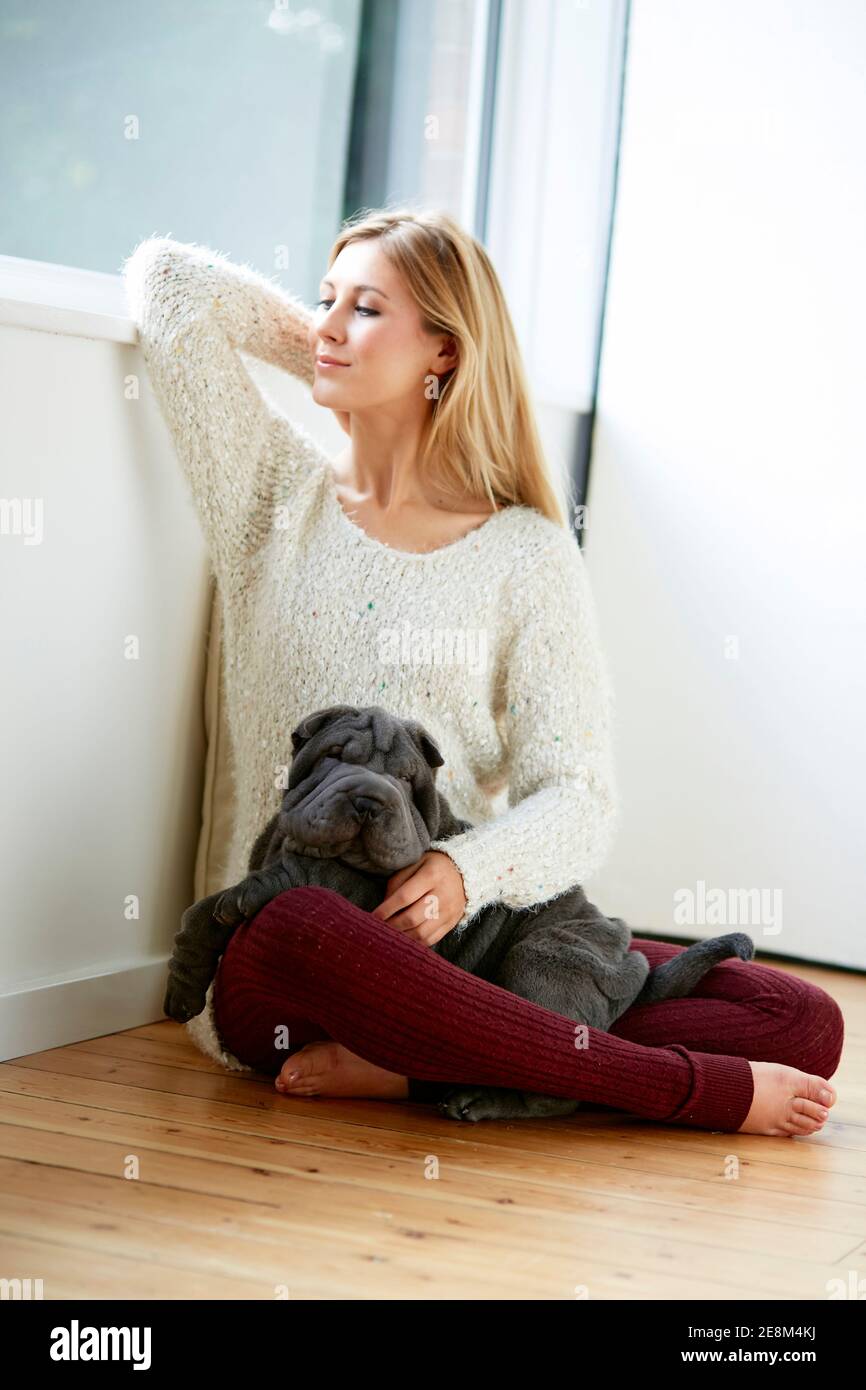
(425,900)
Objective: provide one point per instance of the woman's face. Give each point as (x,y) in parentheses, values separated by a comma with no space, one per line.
(367,320)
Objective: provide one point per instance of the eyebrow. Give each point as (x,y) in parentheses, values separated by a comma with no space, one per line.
(358,287)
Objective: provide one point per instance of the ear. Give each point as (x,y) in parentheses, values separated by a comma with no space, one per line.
(448,356)
(425,743)
(314,722)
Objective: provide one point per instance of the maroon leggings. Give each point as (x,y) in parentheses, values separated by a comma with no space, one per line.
(312,966)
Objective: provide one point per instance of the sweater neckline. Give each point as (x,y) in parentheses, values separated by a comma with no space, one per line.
(383,547)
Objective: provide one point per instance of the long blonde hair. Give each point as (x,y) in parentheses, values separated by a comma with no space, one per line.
(482,437)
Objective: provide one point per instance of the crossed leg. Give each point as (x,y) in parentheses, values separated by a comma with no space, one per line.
(312,968)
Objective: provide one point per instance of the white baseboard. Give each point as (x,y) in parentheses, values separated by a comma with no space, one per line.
(52,1013)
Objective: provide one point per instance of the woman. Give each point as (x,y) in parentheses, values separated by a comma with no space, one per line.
(438,514)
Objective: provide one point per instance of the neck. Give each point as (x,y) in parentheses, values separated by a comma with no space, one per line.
(381,465)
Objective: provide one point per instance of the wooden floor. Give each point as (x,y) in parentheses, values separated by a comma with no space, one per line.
(131,1166)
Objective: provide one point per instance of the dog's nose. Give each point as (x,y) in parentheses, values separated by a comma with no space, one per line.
(365,805)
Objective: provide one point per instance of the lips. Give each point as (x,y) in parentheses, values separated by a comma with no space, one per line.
(330,362)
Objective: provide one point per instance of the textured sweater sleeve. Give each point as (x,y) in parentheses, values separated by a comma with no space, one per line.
(556,721)
(195,310)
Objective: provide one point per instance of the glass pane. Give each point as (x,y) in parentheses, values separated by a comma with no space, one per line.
(219,121)
(435,100)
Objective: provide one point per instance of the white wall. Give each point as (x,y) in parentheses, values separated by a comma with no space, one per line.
(103,755)
(727,504)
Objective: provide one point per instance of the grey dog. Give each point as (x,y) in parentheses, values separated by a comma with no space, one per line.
(362,803)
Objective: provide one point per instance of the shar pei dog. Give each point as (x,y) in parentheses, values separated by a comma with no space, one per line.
(362,803)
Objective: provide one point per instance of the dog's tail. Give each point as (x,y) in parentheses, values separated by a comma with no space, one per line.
(677,977)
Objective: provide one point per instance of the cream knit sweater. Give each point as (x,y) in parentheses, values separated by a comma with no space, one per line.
(491,641)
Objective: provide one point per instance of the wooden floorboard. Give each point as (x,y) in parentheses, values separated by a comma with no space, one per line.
(132,1166)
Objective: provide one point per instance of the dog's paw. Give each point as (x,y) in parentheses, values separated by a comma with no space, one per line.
(497,1103)
(182,1004)
(229,907)
(475,1103)
(467,1103)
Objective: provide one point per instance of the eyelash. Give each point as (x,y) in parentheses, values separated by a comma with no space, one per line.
(362,308)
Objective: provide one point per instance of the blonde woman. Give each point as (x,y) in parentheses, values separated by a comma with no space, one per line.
(438,514)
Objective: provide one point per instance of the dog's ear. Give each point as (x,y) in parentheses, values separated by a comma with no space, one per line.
(314,722)
(425,743)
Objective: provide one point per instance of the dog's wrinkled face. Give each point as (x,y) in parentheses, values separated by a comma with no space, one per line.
(361,789)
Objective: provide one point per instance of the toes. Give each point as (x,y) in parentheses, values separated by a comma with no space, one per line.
(799,1124)
(820,1091)
(304,1062)
(810,1109)
(300,1086)
(804,1117)
(292,1072)
(310,1065)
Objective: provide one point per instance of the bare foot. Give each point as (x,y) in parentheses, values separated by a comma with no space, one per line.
(787,1101)
(329,1069)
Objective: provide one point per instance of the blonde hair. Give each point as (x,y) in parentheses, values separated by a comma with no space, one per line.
(482,436)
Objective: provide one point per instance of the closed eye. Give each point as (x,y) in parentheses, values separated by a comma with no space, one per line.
(361,308)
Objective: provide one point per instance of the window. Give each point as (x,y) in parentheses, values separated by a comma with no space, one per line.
(422,107)
(220,121)
(257,126)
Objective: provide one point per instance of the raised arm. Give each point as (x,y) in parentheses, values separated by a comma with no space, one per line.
(195,311)
(556,719)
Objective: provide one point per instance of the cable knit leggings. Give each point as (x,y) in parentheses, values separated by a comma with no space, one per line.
(314,966)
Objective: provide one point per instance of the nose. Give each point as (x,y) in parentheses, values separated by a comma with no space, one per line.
(329,325)
(365,805)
